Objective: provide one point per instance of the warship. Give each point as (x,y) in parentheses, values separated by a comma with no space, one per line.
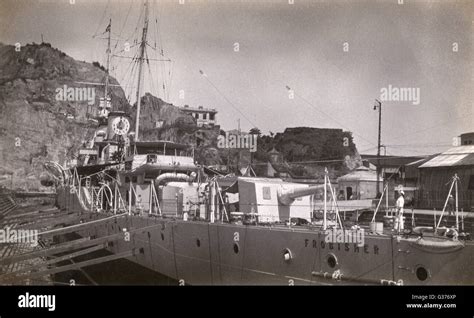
(188,229)
(151,203)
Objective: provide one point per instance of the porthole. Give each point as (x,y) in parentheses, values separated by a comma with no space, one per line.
(422,273)
(332,260)
(236,248)
(287,255)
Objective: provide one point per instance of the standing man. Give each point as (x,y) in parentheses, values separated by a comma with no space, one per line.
(399,205)
(451,204)
(138,205)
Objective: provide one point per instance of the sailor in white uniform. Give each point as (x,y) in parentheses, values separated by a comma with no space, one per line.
(399,205)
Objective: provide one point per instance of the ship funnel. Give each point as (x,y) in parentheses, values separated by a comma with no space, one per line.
(287,196)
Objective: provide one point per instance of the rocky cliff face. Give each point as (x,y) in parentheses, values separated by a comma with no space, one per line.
(39,120)
(46,102)
(311,150)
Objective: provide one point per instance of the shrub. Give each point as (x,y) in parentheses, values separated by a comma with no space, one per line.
(97,64)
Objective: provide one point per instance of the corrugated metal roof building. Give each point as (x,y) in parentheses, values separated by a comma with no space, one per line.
(436,175)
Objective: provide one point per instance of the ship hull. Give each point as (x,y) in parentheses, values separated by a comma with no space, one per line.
(202,253)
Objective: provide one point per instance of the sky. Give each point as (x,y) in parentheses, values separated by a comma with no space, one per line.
(287,63)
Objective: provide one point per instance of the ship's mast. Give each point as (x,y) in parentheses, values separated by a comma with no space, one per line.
(106,90)
(140,67)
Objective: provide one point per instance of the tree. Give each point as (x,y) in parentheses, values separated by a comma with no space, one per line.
(255,131)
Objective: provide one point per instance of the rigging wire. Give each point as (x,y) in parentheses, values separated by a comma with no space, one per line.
(327,115)
(124,23)
(159,50)
(338,160)
(132,67)
(419,145)
(225,97)
(101,20)
(197,67)
(135,32)
(151,80)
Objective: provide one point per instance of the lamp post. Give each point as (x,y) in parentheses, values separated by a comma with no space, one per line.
(382,170)
(378,106)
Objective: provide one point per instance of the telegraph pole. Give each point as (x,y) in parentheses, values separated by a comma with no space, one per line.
(379,106)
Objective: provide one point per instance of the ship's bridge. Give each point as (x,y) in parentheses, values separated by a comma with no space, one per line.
(159,155)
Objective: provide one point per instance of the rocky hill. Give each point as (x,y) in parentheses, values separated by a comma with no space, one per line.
(39,122)
(310,150)
(36,124)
